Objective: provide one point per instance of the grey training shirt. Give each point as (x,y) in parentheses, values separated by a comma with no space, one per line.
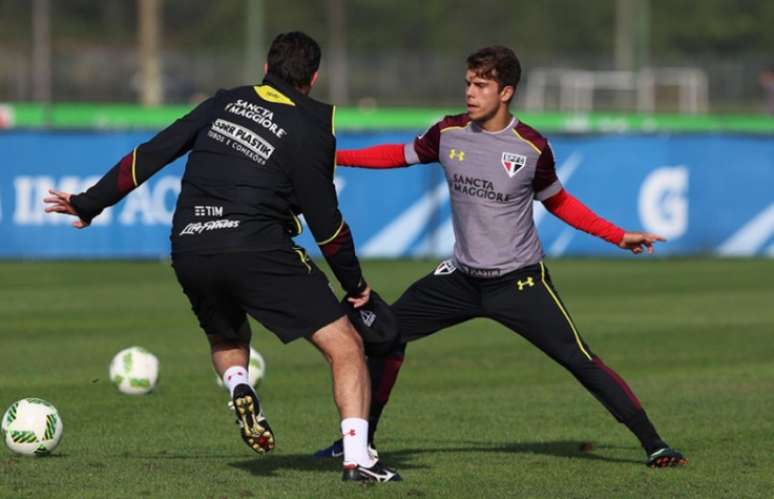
(493,179)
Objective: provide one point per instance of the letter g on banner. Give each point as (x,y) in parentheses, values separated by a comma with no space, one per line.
(663,203)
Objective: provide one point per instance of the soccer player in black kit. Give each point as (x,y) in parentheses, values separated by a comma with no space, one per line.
(496,166)
(259,156)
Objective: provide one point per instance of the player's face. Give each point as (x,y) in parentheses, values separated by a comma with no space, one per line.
(483,98)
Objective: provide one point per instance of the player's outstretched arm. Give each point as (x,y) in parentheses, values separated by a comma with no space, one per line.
(59,202)
(134,168)
(424,149)
(379,157)
(567,208)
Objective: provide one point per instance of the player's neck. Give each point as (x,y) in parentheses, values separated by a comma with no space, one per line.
(497,122)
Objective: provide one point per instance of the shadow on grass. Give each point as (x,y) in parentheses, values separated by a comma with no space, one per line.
(562,448)
(267,466)
(403,459)
(166,455)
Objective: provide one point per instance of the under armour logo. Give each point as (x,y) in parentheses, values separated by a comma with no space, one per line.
(455,154)
(350,433)
(522,284)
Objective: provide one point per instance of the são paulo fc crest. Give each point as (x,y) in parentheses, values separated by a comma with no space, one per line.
(513,162)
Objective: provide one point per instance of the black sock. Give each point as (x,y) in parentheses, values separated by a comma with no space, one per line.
(373,419)
(643,429)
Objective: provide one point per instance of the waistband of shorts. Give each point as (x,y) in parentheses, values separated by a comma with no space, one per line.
(531,269)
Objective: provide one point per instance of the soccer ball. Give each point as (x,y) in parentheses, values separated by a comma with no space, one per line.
(31,427)
(135,371)
(256,369)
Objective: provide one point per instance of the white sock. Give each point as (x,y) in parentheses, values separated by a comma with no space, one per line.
(354,433)
(234,376)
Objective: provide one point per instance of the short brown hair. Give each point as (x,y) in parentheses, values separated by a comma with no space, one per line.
(496,63)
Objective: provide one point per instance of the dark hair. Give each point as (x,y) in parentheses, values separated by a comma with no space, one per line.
(294,57)
(496,63)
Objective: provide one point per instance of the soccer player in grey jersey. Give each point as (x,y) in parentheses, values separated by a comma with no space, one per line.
(495,166)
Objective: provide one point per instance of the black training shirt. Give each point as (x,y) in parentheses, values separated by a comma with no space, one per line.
(259,156)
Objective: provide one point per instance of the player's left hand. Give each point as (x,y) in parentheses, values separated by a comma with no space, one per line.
(636,242)
(59,202)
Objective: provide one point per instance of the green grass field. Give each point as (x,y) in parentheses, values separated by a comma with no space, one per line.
(477,411)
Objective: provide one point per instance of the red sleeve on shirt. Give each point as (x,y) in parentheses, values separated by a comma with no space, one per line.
(382,156)
(567,208)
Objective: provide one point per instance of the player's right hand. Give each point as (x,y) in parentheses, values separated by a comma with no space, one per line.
(358,301)
(59,202)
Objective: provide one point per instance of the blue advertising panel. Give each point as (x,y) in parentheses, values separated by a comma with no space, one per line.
(708,194)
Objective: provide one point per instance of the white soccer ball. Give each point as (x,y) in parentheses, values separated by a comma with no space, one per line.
(31,427)
(134,371)
(256,369)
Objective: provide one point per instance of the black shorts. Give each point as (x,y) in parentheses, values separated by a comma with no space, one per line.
(524,300)
(282,289)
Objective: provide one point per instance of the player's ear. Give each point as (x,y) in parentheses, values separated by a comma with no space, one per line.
(506,94)
(314,80)
(265,67)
